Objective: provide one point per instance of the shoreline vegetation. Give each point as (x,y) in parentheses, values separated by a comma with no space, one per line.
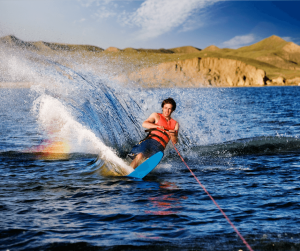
(270,62)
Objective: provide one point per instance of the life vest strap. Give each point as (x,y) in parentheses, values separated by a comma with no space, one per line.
(160,138)
(149,136)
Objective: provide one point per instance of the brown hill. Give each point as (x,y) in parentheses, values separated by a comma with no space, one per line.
(279,59)
(15,42)
(41,46)
(112,49)
(129,49)
(270,43)
(273,50)
(148,51)
(162,50)
(185,49)
(72,47)
(211,48)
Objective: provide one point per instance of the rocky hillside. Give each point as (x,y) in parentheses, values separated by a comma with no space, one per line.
(198,72)
(272,61)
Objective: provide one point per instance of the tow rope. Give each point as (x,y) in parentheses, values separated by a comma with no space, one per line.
(233,226)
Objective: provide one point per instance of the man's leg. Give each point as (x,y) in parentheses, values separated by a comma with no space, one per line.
(137,160)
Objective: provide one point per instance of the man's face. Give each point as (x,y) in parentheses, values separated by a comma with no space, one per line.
(167,110)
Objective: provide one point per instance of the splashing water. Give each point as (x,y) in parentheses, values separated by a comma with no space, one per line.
(81,108)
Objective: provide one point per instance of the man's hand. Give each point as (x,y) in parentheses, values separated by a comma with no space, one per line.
(173,135)
(173,132)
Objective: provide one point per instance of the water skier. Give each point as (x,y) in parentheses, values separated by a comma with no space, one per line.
(161,128)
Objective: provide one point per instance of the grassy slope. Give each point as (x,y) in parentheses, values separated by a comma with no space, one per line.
(261,55)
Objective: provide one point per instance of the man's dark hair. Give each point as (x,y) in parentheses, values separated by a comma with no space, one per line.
(169,101)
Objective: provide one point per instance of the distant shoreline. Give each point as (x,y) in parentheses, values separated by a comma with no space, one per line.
(27,85)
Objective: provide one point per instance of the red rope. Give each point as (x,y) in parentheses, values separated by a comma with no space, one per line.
(235,229)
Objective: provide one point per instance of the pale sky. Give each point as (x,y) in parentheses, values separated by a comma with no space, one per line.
(150,23)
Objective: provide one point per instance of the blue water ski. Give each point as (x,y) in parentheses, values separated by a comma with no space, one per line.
(147,166)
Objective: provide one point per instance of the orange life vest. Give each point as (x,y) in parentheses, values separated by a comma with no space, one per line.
(158,134)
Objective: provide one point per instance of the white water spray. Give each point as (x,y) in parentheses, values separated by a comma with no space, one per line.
(56,119)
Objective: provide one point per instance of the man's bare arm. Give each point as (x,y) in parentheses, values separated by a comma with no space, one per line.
(174,134)
(149,123)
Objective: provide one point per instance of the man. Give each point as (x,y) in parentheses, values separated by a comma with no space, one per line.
(162,128)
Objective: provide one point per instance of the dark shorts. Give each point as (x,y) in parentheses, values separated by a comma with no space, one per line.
(147,147)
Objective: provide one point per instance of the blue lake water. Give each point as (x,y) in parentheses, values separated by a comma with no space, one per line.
(242,143)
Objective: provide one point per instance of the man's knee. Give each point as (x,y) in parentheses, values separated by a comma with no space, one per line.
(137,160)
(139,156)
